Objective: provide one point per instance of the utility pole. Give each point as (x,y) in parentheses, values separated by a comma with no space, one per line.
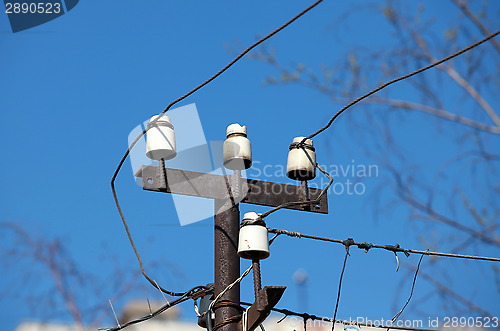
(228,191)
(226,259)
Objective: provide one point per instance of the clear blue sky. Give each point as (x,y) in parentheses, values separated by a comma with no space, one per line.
(73,89)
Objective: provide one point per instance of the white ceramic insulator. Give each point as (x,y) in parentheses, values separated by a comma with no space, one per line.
(160,139)
(237,148)
(253,242)
(301,163)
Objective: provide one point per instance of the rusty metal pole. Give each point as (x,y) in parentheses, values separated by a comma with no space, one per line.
(226,262)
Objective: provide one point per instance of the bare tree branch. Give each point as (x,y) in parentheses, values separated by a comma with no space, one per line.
(471,307)
(463,7)
(472,92)
(287,76)
(422,45)
(435,112)
(70,283)
(406,195)
(58,275)
(445,220)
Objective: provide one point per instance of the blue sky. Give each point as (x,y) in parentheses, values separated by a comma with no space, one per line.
(74,88)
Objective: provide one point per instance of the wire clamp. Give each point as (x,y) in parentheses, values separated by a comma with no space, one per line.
(348,243)
(365,245)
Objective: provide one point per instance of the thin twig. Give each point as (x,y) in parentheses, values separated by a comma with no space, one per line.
(463,7)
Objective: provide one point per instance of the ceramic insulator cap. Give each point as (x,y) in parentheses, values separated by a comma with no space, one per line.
(253,242)
(301,163)
(160,139)
(237,148)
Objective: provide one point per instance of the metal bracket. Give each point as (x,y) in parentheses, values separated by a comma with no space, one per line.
(267,298)
(224,187)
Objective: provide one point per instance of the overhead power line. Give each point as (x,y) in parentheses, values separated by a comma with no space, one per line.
(340,287)
(411,292)
(195,292)
(393,248)
(395,80)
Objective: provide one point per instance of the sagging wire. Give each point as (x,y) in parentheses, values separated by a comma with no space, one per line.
(194,292)
(393,248)
(411,292)
(127,153)
(347,244)
(366,95)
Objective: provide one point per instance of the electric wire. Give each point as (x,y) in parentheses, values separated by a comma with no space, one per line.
(124,157)
(392,248)
(230,286)
(340,287)
(366,95)
(411,292)
(195,291)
